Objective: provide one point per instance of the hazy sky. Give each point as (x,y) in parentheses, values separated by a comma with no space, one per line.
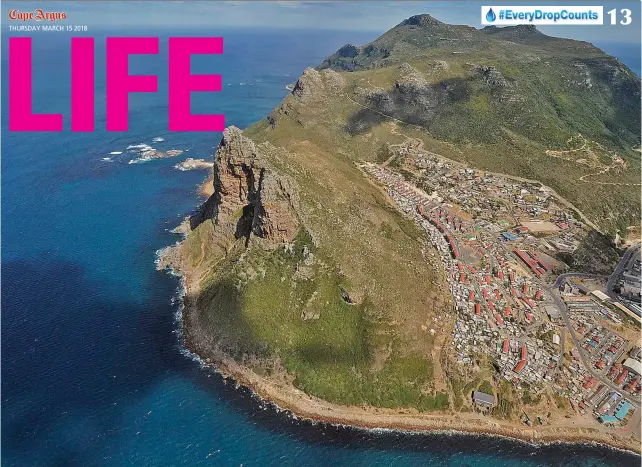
(355,15)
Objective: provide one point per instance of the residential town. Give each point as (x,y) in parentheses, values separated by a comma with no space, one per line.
(516,304)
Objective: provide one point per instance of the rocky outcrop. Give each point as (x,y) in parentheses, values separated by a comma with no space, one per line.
(379,98)
(492,77)
(415,91)
(274,216)
(249,198)
(315,84)
(348,51)
(333,81)
(424,20)
(308,84)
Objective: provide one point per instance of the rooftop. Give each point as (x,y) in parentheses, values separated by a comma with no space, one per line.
(633,365)
(552,312)
(483,398)
(601,295)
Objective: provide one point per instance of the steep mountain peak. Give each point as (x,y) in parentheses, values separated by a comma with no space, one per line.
(406,40)
(421,20)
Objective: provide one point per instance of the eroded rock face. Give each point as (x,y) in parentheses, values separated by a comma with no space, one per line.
(315,84)
(274,217)
(249,197)
(309,84)
(237,168)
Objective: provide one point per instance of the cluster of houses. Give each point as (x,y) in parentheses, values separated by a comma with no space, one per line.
(495,276)
(607,353)
(503,201)
(498,306)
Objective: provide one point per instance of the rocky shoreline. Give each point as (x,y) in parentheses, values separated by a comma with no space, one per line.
(309,408)
(194,164)
(286,397)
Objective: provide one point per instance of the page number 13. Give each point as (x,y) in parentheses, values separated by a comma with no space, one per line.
(624,12)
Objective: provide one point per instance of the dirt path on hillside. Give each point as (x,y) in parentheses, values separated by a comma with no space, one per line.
(591,160)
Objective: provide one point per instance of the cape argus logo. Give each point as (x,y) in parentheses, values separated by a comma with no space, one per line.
(513,15)
(37,15)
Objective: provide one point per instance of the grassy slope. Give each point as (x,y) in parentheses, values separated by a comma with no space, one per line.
(331,357)
(373,352)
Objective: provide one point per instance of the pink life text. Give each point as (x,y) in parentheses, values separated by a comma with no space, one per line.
(119,84)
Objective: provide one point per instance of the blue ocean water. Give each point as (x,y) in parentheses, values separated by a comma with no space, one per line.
(92,371)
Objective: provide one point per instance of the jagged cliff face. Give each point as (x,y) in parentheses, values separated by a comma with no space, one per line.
(274,217)
(249,197)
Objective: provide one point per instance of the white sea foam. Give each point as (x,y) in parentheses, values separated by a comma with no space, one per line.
(140,160)
(140,146)
(179,229)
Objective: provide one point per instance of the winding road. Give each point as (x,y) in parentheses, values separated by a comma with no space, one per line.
(620,269)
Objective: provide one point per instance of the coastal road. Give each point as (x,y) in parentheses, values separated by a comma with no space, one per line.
(587,364)
(621,266)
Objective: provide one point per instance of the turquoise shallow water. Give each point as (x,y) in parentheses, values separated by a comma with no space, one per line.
(92,371)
